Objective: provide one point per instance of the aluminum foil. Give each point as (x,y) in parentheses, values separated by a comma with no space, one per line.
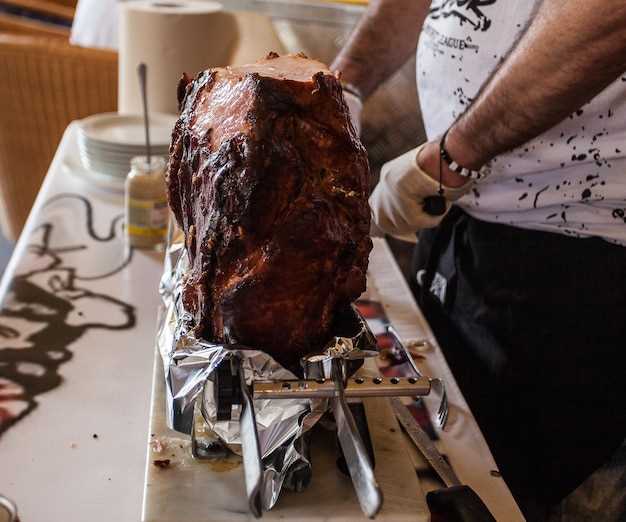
(189,364)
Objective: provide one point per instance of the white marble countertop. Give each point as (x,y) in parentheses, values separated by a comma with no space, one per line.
(50,463)
(77,324)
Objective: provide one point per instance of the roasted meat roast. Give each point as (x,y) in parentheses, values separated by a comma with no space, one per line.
(269,182)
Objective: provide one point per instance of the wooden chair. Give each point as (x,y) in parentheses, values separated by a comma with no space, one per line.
(15,24)
(66,3)
(57,10)
(45,84)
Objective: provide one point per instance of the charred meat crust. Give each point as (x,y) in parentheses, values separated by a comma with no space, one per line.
(269,183)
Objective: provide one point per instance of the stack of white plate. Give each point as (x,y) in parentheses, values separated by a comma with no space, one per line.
(107,142)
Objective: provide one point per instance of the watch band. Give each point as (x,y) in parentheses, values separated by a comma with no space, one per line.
(459,169)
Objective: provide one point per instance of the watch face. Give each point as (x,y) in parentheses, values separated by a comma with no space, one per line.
(435,205)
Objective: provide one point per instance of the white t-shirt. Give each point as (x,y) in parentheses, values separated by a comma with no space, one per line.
(571,179)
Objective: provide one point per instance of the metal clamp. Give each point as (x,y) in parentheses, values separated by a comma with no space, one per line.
(367,489)
(230,388)
(250,448)
(438,385)
(354,387)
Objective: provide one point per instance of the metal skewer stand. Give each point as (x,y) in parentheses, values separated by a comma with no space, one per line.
(325,378)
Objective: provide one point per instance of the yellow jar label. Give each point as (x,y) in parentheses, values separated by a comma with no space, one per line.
(147,218)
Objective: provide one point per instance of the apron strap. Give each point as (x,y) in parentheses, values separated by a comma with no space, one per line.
(441,240)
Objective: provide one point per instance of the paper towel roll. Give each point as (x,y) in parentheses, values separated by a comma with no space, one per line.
(171,38)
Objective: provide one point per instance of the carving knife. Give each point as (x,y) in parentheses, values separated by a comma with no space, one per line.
(456,502)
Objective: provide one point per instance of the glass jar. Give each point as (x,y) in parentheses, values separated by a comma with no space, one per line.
(146,203)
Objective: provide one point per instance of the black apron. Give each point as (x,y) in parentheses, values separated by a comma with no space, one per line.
(533,325)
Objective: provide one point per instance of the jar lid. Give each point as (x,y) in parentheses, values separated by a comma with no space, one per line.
(156,165)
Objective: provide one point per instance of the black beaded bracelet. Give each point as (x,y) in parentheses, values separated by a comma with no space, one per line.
(458,169)
(436,204)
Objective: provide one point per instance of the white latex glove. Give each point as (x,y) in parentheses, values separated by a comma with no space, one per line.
(397,200)
(355,106)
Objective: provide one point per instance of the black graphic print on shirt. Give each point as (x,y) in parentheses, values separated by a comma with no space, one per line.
(466,11)
(569,179)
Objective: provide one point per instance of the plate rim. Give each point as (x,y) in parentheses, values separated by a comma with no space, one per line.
(86,125)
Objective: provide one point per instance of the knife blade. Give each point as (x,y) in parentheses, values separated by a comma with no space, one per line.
(426,446)
(456,502)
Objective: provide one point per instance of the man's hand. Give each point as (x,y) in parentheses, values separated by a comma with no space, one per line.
(398,199)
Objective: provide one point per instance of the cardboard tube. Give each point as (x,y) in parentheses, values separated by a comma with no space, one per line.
(171,38)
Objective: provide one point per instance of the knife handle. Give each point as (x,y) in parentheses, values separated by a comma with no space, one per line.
(458,504)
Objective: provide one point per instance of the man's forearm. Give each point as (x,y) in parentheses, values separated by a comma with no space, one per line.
(571,51)
(381,43)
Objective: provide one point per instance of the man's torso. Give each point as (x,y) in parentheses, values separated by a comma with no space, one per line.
(571,179)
